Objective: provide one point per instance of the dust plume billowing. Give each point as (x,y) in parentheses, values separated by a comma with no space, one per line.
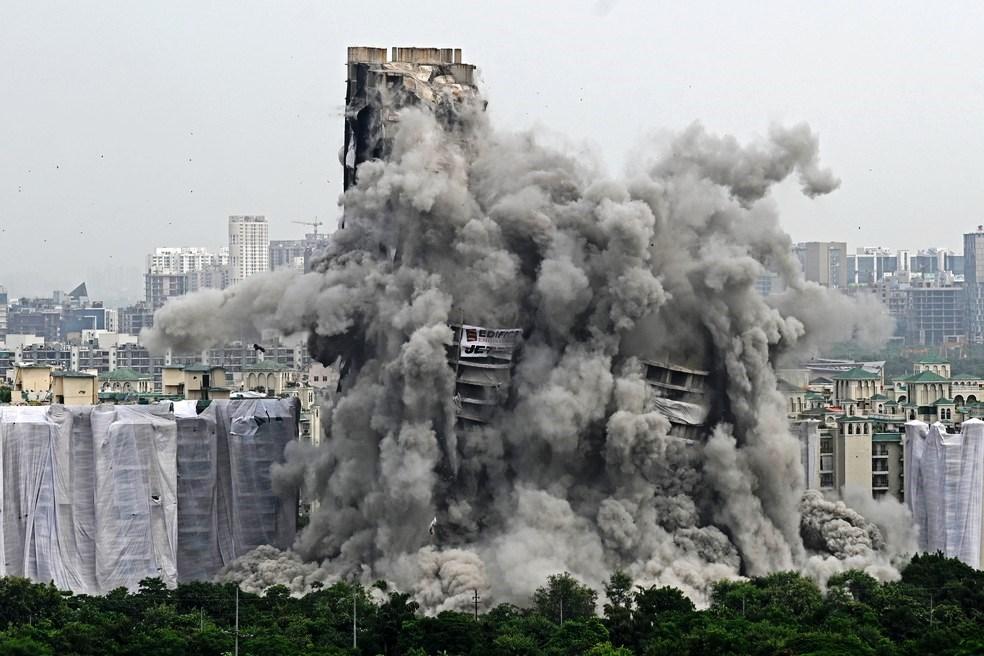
(577,471)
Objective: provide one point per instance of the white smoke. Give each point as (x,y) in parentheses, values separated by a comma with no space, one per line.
(577,472)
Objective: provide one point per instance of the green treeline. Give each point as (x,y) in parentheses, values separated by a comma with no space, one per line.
(937,608)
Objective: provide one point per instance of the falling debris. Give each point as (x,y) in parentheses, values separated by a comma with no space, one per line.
(638,423)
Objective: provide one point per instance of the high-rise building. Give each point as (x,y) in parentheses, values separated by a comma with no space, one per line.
(934,314)
(296,253)
(170,259)
(974,284)
(3,312)
(136,317)
(249,247)
(824,262)
(431,77)
(159,287)
(173,271)
(870,264)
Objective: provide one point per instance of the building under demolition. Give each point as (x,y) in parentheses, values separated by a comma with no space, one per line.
(482,359)
(681,396)
(100,497)
(377,88)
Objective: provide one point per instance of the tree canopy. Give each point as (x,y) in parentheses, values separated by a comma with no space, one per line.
(936,608)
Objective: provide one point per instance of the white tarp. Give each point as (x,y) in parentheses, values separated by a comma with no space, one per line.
(251,437)
(479,342)
(198,547)
(136,495)
(30,517)
(94,498)
(680,412)
(944,486)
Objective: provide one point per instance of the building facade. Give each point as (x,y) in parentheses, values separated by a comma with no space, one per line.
(3,312)
(974,285)
(249,247)
(824,262)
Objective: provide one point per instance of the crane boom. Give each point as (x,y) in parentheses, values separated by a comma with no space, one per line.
(314,224)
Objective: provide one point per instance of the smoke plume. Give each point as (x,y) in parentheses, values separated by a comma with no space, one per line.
(577,472)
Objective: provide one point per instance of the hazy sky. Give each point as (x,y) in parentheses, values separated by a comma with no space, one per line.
(130,125)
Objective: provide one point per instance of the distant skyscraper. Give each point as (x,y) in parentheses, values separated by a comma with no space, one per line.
(296,253)
(824,262)
(3,312)
(973,261)
(173,271)
(249,247)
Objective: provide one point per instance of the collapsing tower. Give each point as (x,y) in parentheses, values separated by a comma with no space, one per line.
(378,88)
(680,396)
(482,361)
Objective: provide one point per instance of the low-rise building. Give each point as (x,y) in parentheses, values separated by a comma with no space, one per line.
(267,376)
(32,384)
(195,382)
(74,387)
(125,380)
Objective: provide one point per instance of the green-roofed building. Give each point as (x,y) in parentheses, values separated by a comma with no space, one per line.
(125,380)
(933,364)
(269,376)
(855,387)
(967,389)
(923,389)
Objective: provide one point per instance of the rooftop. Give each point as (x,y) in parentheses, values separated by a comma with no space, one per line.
(265,365)
(786,386)
(943,401)
(925,377)
(71,374)
(933,359)
(201,367)
(123,374)
(858,373)
(886,437)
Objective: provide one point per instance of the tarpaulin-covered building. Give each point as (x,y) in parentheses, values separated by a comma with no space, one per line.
(94,498)
(944,487)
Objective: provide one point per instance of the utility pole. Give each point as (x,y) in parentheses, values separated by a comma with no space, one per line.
(201,620)
(355,611)
(475,598)
(562,610)
(237,621)
(931,610)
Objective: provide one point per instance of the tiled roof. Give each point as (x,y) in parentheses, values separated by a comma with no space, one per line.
(858,373)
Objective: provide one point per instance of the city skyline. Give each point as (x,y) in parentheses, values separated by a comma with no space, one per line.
(197,127)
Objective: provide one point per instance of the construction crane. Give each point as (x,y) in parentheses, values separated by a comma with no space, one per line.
(314,224)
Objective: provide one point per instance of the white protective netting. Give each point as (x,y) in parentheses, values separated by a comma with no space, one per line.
(251,437)
(95,498)
(136,495)
(944,486)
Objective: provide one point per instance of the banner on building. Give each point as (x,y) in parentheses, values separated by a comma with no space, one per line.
(478,342)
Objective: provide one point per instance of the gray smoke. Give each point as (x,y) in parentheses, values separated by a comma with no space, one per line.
(856,532)
(577,472)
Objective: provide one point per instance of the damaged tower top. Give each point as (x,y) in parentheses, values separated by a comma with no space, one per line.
(378,88)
